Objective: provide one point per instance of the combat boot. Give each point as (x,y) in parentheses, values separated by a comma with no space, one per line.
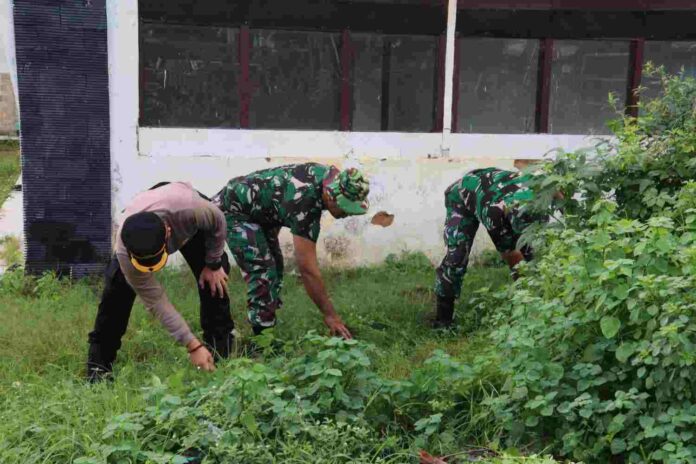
(444,313)
(99,363)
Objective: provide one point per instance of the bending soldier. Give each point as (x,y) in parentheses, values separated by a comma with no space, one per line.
(258,205)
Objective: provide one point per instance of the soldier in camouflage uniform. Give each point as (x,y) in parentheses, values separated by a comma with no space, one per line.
(490,197)
(258,205)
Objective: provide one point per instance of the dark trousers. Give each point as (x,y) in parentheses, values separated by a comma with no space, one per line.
(117,301)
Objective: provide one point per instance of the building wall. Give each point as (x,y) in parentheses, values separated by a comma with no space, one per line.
(408,171)
(8,106)
(408,176)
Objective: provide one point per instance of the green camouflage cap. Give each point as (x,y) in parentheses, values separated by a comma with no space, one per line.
(349,189)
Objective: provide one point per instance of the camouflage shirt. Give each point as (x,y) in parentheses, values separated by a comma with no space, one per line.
(487,188)
(285,196)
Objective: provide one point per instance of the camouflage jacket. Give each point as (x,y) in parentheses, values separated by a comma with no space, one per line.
(486,188)
(285,196)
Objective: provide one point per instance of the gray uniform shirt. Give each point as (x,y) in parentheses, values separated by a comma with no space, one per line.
(186,213)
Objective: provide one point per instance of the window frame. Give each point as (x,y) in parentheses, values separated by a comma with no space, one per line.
(502,19)
(426,18)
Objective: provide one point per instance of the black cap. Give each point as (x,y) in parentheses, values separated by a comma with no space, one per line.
(144,236)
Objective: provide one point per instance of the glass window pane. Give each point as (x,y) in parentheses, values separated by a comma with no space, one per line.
(412,83)
(674,56)
(497,85)
(583,73)
(189,76)
(367,81)
(295,79)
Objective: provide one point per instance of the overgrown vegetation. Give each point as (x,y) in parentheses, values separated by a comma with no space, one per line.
(589,356)
(10,251)
(399,388)
(9,167)
(599,335)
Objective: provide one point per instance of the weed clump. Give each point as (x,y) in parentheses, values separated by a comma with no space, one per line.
(325,405)
(598,336)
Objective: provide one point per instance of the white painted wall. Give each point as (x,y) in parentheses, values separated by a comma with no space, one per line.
(8,62)
(408,172)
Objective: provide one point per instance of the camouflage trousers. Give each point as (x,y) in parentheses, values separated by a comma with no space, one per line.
(257,253)
(461,225)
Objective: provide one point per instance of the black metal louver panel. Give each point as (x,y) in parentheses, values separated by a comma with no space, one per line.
(62,69)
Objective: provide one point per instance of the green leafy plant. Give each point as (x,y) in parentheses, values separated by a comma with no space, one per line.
(598,336)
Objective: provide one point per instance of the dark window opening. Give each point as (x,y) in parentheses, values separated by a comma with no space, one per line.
(295,80)
(309,65)
(583,74)
(189,76)
(591,53)
(497,79)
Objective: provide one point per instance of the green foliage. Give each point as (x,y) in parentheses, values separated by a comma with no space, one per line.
(9,144)
(47,286)
(488,258)
(397,375)
(10,251)
(9,169)
(598,337)
(643,170)
(326,405)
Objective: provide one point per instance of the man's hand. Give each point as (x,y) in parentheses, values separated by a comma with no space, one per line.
(306,258)
(201,357)
(337,327)
(512,258)
(216,280)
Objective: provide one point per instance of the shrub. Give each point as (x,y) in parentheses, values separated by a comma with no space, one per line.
(326,405)
(598,336)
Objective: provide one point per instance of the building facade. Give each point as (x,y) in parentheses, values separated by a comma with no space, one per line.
(414,92)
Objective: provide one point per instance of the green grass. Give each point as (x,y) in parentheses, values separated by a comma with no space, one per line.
(10,250)
(9,168)
(48,414)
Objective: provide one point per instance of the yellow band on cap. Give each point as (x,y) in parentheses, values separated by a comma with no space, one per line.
(164,248)
(154,268)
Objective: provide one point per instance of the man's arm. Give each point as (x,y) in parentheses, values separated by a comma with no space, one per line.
(306,257)
(211,220)
(155,301)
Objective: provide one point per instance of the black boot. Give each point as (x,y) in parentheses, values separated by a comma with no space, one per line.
(444,315)
(221,345)
(99,364)
(257,329)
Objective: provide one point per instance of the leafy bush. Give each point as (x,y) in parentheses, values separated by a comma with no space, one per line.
(47,286)
(326,405)
(9,167)
(643,171)
(10,251)
(598,336)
